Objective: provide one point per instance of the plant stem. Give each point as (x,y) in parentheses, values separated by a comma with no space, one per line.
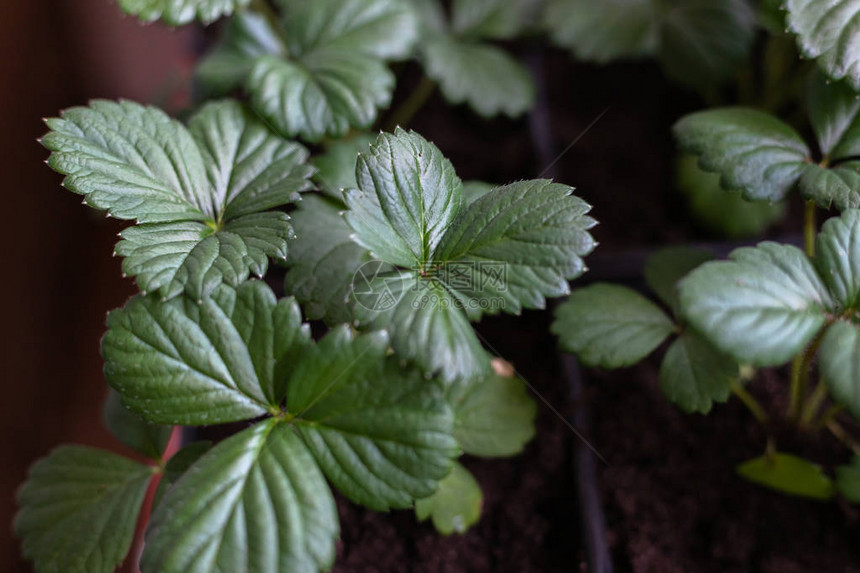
(809,228)
(750,402)
(800,377)
(416,100)
(797,390)
(828,415)
(837,430)
(811,407)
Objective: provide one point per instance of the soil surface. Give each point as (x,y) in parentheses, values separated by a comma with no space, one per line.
(672,500)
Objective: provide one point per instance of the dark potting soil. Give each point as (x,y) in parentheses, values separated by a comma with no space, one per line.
(673,503)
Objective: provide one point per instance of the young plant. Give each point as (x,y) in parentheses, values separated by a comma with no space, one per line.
(397,265)
(769,305)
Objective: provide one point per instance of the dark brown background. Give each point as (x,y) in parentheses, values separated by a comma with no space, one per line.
(58,276)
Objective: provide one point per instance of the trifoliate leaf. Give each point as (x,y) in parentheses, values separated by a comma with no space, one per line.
(848,480)
(408,196)
(456,505)
(179,12)
(177,465)
(701,42)
(788,474)
(478,74)
(610,326)
(603,31)
(840,364)
(336,167)
(753,152)
(323,261)
(247,36)
(833,109)
(79,509)
(761,307)
(724,212)
(200,191)
(256,503)
(427,323)
(507,250)
(838,186)
(827,30)
(333,75)
(494,415)
(381,434)
(132,430)
(838,257)
(224,359)
(666,267)
(694,374)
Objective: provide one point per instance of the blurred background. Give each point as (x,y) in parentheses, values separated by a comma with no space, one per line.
(59,277)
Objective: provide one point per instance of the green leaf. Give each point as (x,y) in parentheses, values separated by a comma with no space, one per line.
(322,97)
(694,374)
(753,152)
(610,326)
(761,307)
(427,323)
(132,430)
(177,465)
(494,415)
(724,212)
(703,41)
(480,75)
(836,187)
(603,31)
(336,167)
(474,190)
(840,364)
(200,191)
(848,480)
(838,258)
(407,196)
(323,261)
(256,502)
(788,474)
(247,36)
(833,108)
(515,246)
(224,359)
(179,12)
(507,250)
(79,509)
(667,266)
(335,76)
(827,30)
(497,19)
(381,434)
(456,505)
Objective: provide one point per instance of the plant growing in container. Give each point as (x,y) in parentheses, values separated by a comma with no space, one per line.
(397,265)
